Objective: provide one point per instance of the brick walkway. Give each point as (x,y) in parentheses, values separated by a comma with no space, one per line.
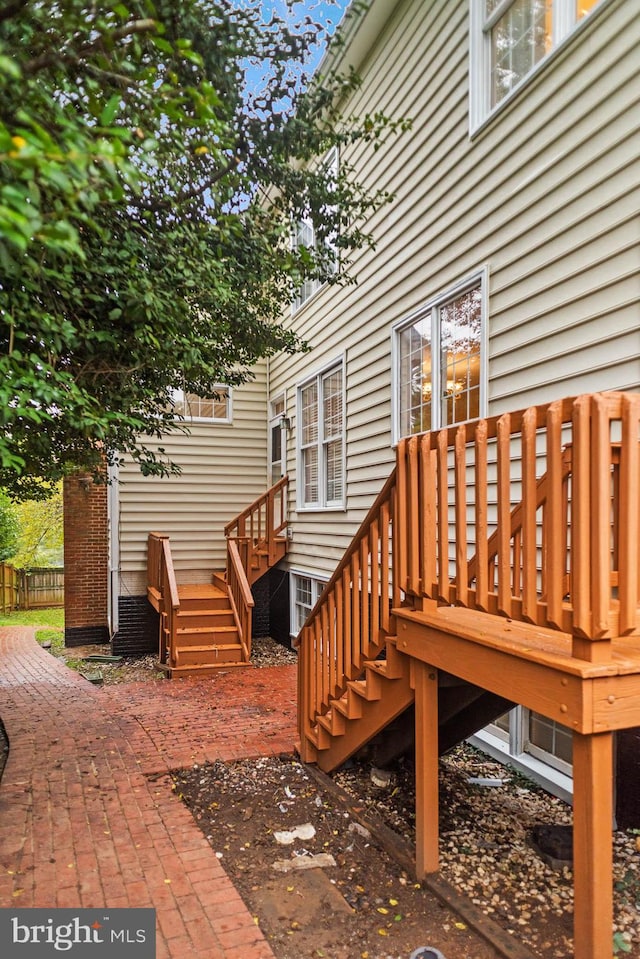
(87,816)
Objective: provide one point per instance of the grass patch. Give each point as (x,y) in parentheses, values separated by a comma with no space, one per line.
(52,618)
(53,636)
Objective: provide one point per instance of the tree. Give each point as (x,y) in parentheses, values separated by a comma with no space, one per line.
(146,203)
(40,532)
(8,528)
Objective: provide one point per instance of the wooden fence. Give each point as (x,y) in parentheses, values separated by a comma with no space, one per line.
(36,588)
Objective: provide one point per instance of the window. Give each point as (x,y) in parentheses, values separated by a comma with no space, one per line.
(321,440)
(533,744)
(213,409)
(304,235)
(276,429)
(439,361)
(509,39)
(305,593)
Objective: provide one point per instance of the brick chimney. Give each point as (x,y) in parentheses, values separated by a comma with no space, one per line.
(86,560)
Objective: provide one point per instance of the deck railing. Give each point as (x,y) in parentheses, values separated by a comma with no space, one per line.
(262,521)
(533,515)
(352,618)
(161,578)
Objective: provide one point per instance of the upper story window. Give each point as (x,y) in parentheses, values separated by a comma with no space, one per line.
(509,39)
(304,235)
(211,409)
(439,361)
(321,440)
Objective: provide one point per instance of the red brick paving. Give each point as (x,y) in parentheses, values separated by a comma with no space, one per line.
(87,815)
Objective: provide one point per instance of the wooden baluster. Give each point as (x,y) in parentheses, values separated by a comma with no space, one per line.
(581,519)
(444,590)
(332,646)
(356,625)
(481,517)
(270,529)
(556,532)
(530,608)
(400,525)
(339,639)
(316,705)
(374,553)
(384,567)
(396,582)
(628,511)
(516,574)
(347,622)
(428,515)
(600,516)
(504,514)
(413,519)
(365,623)
(460,508)
(324,656)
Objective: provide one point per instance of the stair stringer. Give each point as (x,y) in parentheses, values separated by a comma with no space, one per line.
(369,704)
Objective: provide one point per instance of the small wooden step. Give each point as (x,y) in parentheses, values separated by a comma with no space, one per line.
(213,654)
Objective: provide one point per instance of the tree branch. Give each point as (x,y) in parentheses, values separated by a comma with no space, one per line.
(72,56)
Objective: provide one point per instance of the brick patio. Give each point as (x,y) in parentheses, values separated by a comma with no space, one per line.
(87,815)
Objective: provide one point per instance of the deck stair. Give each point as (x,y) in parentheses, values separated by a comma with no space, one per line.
(500,564)
(207,626)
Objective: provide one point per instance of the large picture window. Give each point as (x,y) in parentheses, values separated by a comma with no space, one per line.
(510,38)
(439,362)
(321,440)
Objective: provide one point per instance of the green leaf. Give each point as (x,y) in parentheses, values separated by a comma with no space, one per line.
(110,110)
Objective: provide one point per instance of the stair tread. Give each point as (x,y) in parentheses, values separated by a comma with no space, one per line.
(205,647)
(196,630)
(200,591)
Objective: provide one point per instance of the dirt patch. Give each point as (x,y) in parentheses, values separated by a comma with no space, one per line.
(268,815)
(367,905)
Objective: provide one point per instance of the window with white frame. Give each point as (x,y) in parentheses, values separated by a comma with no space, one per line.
(304,235)
(439,361)
(534,744)
(305,593)
(321,439)
(210,409)
(510,38)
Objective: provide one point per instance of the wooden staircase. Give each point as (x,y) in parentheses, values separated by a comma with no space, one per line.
(207,626)
(500,564)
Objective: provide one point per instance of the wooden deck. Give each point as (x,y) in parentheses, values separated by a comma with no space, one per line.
(499,565)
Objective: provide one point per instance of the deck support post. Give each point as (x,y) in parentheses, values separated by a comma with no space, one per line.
(593,845)
(426,706)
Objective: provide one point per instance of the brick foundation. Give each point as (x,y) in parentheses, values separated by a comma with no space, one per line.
(86,560)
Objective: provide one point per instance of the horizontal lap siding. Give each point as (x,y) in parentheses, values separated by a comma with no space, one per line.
(224,468)
(546,196)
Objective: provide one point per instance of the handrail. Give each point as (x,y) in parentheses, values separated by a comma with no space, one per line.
(352,618)
(242,601)
(260,525)
(162,580)
(255,509)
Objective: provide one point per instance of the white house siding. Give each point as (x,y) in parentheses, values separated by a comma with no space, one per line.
(224,468)
(545,195)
